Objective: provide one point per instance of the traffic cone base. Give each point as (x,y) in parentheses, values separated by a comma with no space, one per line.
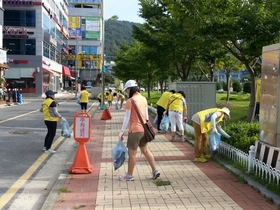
(81,164)
(106,115)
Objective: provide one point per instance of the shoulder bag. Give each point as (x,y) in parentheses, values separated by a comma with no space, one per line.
(149,133)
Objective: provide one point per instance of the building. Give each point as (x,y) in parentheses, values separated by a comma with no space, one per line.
(3,52)
(85,41)
(35,34)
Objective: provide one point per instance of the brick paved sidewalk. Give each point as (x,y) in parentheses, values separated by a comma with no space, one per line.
(194,186)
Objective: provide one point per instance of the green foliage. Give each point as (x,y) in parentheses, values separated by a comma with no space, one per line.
(236,86)
(225,86)
(243,134)
(116,33)
(218,86)
(247,87)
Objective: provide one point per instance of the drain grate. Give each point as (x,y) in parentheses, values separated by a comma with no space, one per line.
(20,132)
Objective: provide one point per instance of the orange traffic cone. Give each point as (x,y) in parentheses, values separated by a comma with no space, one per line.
(106,115)
(81,164)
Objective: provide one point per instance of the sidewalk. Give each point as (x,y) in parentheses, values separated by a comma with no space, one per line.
(194,186)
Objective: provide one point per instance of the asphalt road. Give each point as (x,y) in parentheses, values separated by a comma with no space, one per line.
(23,162)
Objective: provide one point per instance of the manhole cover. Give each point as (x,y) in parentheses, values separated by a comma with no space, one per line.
(20,132)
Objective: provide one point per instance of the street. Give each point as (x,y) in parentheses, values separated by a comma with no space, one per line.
(27,174)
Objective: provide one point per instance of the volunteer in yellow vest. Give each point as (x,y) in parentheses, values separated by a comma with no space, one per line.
(121,98)
(203,122)
(177,112)
(161,106)
(110,98)
(84,99)
(99,98)
(258,98)
(51,116)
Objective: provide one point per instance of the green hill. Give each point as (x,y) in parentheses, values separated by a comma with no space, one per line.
(116,32)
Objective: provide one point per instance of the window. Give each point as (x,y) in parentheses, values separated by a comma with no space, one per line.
(19,18)
(46,50)
(20,46)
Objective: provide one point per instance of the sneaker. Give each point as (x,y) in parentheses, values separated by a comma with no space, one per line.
(173,139)
(126,177)
(44,149)
(156,174)
(50,151)
(183,138)
(200,160)
(206,156)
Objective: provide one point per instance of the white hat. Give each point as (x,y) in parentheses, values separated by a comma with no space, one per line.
(226,111)
(129,83)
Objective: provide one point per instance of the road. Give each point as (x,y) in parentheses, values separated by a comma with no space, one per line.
(27,174)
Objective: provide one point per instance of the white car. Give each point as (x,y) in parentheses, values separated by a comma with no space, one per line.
(142,89)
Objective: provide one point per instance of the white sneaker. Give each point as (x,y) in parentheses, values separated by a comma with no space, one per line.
(44,149)
(50,151)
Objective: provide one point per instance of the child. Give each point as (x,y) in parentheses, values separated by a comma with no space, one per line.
(110,98)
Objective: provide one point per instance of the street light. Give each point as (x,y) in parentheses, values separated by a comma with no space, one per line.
(114,17)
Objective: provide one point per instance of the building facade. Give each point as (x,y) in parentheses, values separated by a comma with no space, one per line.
(85,41)
(3,52)
(35,34)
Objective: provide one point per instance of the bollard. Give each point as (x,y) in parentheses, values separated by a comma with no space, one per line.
(251,156)
(82,133)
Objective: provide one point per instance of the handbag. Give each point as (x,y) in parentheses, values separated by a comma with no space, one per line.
(149,133)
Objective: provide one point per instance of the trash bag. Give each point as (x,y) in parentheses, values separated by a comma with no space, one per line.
(65,131)
(215,139)
(188,128)
(164,124)
(156,120)
(119,154)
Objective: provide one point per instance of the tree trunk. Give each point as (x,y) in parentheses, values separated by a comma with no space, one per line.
(252,105)
(228,86)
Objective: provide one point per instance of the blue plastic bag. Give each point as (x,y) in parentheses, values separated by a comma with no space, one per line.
(65,131)
(156,120)
(119,154)
(215,139)
(164,124)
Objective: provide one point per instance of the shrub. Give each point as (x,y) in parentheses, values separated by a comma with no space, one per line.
(243,135)
(225,87)
(218,86)
(236,86)
(247,87)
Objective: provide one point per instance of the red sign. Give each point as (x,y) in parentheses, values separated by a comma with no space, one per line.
(15,32)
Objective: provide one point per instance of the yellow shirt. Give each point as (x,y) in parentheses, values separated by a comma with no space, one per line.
(47,111)
(99,95)
(110,97)
(164,99)
(176,103)
(205,118)
(84,96)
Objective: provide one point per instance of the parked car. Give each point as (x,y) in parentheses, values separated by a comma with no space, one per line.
(142,89)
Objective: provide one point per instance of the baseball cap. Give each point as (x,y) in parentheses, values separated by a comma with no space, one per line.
(130,83)
(226,111)
(50,92)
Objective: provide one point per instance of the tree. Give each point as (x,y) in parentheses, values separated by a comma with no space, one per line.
(242,27)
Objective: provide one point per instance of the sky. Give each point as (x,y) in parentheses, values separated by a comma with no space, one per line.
(124,9)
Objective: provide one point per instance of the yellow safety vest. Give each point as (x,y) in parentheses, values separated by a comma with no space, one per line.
(99,95)
(205,118)
(48,114)
(84,96)
(121,96)
(175,102)
(164,99)
(110,97)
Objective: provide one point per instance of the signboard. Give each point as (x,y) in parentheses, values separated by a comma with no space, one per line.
(82,126)
(74,27)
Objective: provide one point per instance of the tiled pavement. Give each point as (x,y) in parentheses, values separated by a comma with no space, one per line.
(194,186)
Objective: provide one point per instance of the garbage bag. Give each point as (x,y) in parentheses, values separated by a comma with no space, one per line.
(215,139)
(164,124)
(156,120)
(188,128)
(65,131)
(119,154)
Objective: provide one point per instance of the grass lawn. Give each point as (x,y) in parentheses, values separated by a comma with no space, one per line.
(238,103)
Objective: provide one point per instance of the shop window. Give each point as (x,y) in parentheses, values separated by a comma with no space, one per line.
(20,46)
(20,18)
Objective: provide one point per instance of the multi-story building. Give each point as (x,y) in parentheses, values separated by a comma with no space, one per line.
(85,35)
(35,33)
(3,52)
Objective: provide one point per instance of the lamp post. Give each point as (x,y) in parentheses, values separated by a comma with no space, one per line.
(114,17)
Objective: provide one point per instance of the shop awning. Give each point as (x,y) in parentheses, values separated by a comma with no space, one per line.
(51,71)
(4,66)
(66,71)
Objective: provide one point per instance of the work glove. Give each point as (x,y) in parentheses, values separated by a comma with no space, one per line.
(164,113)
(214,130)
(63,119)
(121,134)
(185,119)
